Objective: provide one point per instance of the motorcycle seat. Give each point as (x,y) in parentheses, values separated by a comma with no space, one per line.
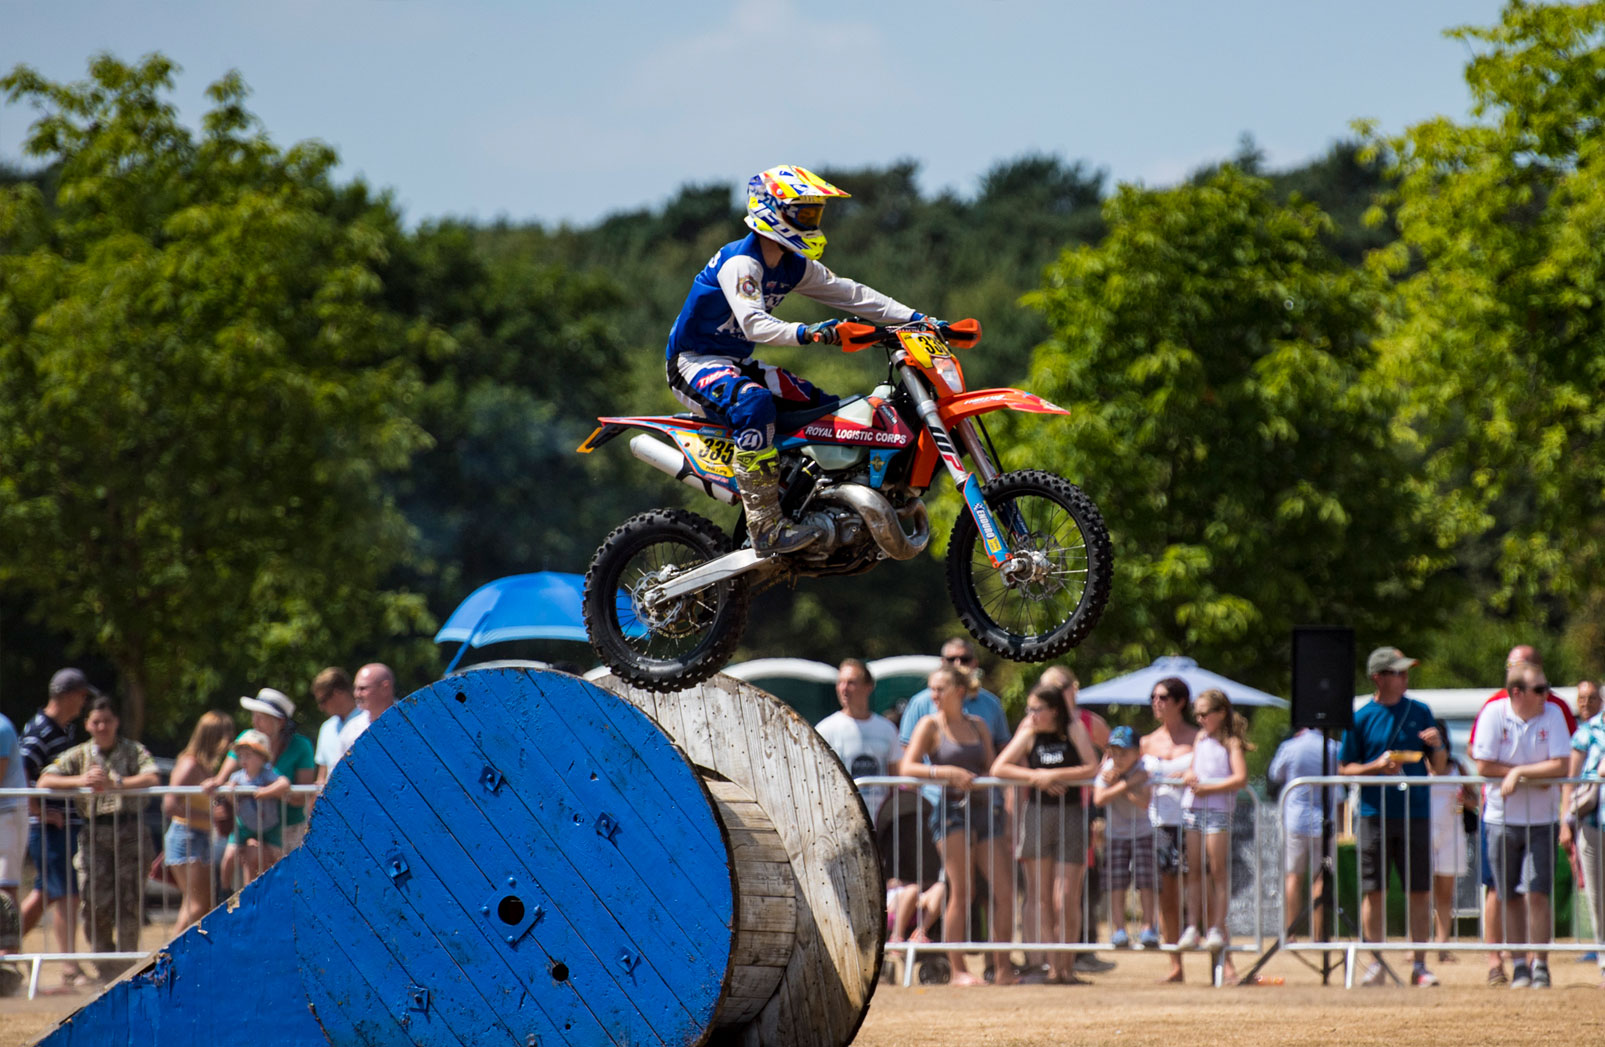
(788,421)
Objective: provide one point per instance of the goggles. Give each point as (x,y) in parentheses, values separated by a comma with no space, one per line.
(802,216)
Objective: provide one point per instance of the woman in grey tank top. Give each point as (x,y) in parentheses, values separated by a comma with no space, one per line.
(953,749)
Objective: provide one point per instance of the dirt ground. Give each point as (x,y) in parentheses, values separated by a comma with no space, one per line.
(1126,1007)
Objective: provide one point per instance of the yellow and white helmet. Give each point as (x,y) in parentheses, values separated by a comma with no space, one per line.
(785,204)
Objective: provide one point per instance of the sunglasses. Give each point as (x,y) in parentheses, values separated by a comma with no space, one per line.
(959,659)
(1537,688)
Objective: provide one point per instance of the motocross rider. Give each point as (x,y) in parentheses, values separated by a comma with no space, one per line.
(711,368)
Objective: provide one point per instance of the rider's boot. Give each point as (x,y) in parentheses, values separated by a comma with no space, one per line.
(758,477)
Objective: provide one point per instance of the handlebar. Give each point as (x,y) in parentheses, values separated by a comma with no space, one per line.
(961,334)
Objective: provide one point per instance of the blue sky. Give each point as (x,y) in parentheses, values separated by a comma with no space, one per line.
(562,111)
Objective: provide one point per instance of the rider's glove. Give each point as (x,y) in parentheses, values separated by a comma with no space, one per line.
(821,332)
(940,325)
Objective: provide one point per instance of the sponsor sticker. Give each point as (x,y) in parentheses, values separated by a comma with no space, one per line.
(711,456)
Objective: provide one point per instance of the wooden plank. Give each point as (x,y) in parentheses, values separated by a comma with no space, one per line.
(766,749)
(460,932)
(581,763)
(574,930)
(388,963)
(659,847)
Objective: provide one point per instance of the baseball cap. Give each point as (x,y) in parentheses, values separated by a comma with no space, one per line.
(1384,659)
(1122,737)
(274,703)
(69,680)
(254,739)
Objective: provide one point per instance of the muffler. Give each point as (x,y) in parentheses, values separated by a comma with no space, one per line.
(667,459)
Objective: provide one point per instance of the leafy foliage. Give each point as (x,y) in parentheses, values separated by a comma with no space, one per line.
(1215,357)
(199,393)
(1498,330)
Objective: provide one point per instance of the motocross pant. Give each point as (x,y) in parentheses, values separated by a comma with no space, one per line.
(741,393)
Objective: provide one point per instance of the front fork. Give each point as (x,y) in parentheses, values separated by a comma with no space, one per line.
(969,484)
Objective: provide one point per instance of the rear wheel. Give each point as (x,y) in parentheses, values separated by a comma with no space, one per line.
(1051,592)
(670,644)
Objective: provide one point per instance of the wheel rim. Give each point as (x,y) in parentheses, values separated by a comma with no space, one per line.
(1039,589)
(672,630)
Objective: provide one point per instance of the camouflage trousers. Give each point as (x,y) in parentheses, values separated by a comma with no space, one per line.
(113,857)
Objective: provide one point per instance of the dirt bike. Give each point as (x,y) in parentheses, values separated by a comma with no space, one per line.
(1028,566)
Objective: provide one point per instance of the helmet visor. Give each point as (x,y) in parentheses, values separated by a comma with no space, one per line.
(802,216)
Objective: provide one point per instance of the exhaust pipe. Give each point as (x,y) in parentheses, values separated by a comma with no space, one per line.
(885,523)
(667,459)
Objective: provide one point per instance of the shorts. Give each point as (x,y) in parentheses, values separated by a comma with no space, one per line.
(1054,830)
(1207,821)
(52,848)
(1301,855)
(1448,847)
(1487,871)
(1405,844)
(13,845)
(274,837)
(183,845)
(1129,860)
(1522,859)
(1169,854)
(961,811)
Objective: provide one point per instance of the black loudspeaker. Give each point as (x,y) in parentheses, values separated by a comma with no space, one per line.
(1323,677)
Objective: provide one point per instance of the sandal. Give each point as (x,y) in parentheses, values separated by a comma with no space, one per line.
(77,978)
(1497,977)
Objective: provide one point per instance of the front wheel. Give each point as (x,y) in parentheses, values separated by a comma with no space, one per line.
(1050,594)
(670,644)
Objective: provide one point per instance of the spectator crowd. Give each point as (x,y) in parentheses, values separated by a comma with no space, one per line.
(1090,823)
(90,852)
(1089,820)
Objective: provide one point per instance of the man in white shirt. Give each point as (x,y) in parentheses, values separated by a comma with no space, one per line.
(333,692)
(866,743)
(1522,738)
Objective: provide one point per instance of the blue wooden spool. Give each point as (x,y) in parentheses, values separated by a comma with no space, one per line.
(515,857)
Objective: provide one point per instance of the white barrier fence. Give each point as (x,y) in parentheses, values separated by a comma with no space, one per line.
(1449,864)
(1050,902)
(94,858)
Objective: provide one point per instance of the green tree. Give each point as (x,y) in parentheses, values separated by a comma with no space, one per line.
(1498,328)
(1215,359)
(199,394)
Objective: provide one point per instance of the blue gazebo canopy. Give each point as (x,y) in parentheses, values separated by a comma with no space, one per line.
(545,605)
(1134,688)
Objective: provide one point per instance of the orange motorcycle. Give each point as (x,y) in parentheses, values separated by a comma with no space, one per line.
(1028,566)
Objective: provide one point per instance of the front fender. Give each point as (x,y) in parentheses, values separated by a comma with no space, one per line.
(955,409)
(982,401)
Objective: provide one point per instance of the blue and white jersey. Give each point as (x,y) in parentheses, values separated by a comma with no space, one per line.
(730,307)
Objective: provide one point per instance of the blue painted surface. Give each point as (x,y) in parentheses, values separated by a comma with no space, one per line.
(502,855)
(231,972)
(516,796)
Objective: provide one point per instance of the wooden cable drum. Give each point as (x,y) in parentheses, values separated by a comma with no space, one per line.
(732,730)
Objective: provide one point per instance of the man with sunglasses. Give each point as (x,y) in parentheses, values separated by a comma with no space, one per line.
(1493,910)
(1522,739)
(958,652)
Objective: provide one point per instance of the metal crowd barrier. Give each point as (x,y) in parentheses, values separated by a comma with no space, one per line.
(108,864)
(1466,868)
(907,810)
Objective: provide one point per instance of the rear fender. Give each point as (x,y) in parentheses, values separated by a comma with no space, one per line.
(708,450)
